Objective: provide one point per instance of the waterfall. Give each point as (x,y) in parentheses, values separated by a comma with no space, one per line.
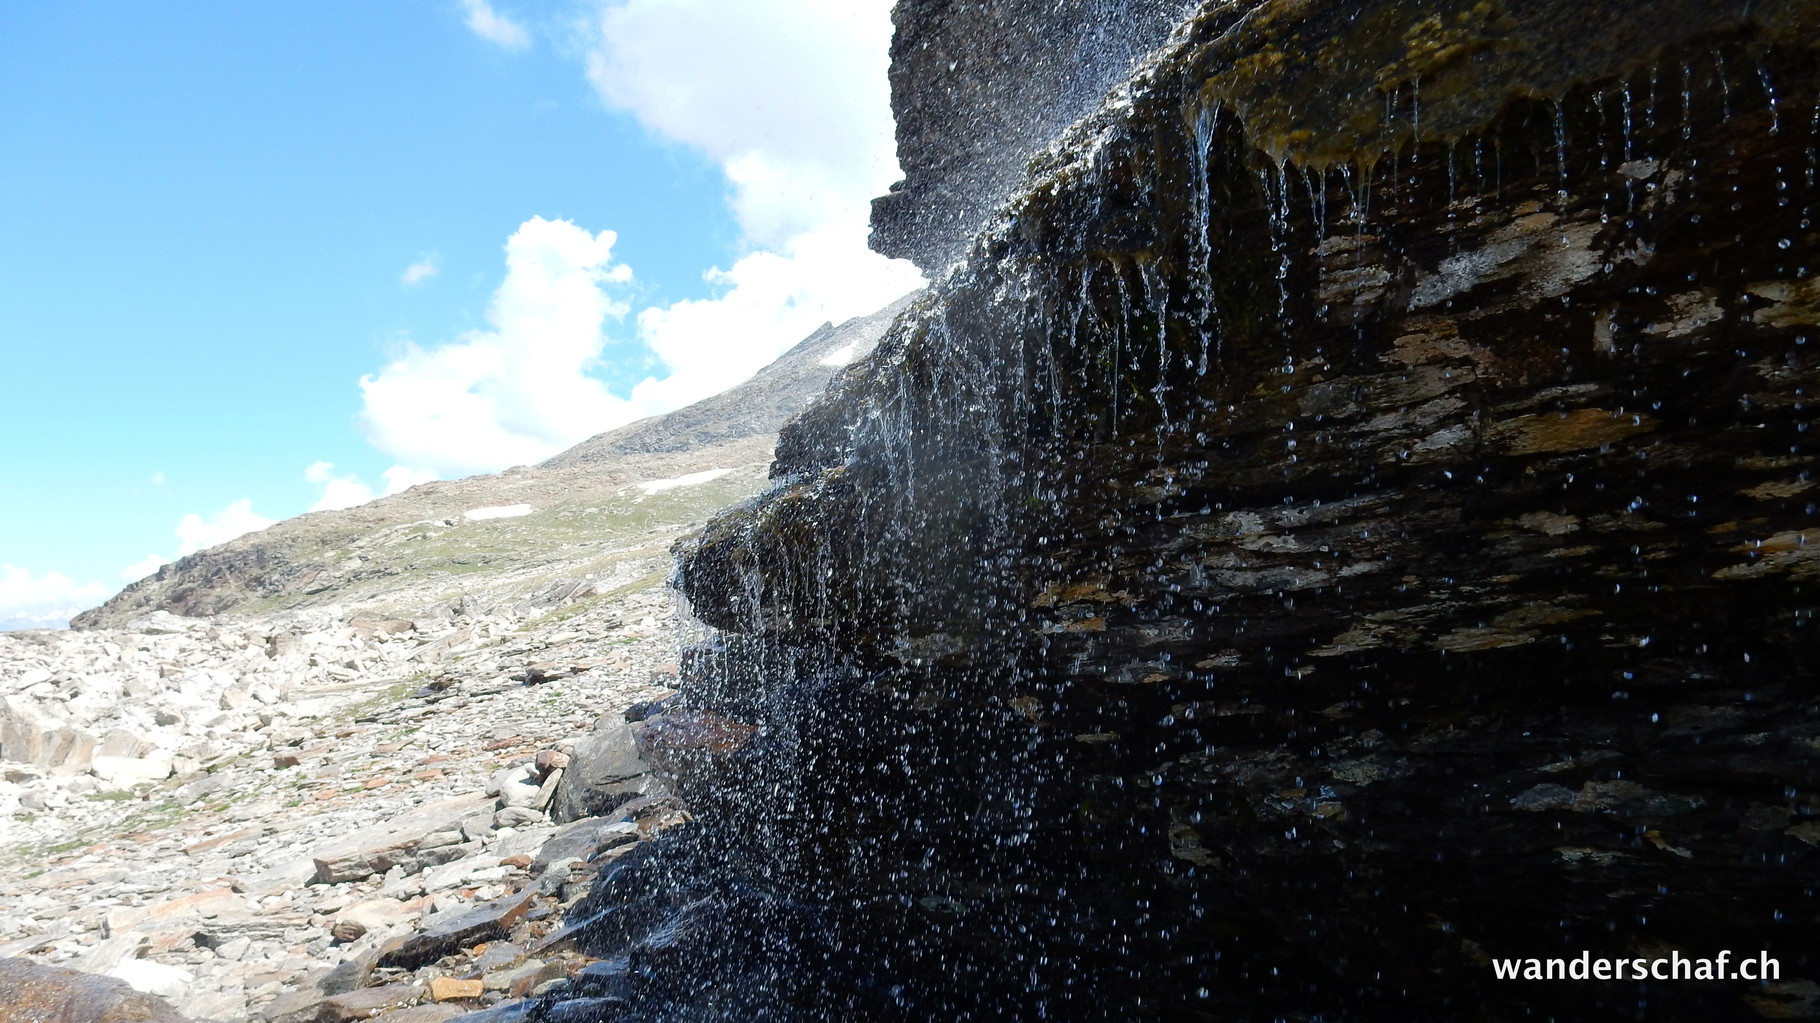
(1344,521)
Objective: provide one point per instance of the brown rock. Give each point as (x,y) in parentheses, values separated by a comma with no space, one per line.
(550,760)
(34,993)
(680,740)
(371,626)
(220,840)
(448,989)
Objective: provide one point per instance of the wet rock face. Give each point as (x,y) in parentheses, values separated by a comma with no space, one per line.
(978,87)
(1262,586)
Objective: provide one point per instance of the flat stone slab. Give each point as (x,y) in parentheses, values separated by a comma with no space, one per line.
(364,1003)
(486,922)
(396,842)
(422,1014)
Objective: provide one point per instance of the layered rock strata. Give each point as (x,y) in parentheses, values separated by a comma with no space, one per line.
(1348,522)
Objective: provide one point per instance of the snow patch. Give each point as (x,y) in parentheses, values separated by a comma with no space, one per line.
(501,511)
(655,486)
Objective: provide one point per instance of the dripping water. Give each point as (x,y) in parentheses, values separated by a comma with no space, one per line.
(1725,87)
(1120,318)
(1561,149)
(1624,108)
(1201,240)
(1156,298)
(1687,100)
(1599,118)
(1769,91)
(1813,143)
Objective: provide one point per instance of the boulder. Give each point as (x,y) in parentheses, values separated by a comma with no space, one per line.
(517,786)
(1372,410)
(121,742)
(371,915)
(30,735)
(38,994)
(605,769)
(486,922)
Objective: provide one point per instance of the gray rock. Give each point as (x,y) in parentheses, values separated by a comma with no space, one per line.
(518,816)
(363,1003)
(578,840)
(206,785)
(605,770)
(123,743)
(483,923)
(969,116)
(517,786)
(398,843)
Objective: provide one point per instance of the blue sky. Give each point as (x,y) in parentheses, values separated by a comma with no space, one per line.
(256,259)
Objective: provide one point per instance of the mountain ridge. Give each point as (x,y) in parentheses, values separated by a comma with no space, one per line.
(589,519)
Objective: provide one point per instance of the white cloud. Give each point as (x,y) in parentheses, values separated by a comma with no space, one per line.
(343,493)
(771,301)
(420,271)
(521,391)
(789,96)
(140,569)
(494,27)
(400,478)
(337,491)
(196,533)
(158,479)
(47,600)
(792,99)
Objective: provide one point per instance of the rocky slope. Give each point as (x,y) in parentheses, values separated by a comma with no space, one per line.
(306,817)
(1347,522)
